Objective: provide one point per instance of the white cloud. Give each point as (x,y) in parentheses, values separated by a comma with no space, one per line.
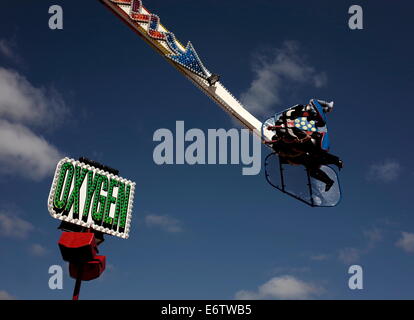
(5,48)
(349,255)
(14,227)
(164,222)
(374,236)
(37,250)
(22,102)
(6,296)
(22,151)
(406,242)
(273,72)
(319,257)
(353,255)
(386,171)
(283,287)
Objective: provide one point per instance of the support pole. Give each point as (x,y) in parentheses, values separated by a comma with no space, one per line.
(78,283)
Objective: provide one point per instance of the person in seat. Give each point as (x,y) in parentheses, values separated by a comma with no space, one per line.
(301,139)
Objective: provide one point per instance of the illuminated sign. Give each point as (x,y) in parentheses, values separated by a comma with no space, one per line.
(90,197)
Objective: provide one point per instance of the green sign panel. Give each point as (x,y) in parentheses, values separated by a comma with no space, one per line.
(92,198)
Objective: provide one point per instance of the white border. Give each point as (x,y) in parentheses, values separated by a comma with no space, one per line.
(88,224)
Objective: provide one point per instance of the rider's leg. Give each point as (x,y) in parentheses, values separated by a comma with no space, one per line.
(328,158)
(320,175)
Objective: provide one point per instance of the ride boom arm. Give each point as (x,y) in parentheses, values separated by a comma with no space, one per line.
(184,59)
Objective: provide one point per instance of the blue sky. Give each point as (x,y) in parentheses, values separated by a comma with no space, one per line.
(95,89)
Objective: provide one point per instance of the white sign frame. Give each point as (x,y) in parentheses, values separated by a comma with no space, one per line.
(79,217)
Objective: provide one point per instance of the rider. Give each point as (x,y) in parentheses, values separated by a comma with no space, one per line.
(300,139)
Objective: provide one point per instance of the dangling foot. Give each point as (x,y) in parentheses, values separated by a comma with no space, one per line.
(329,185)
(340,164)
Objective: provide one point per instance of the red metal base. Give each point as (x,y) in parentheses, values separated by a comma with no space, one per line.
(89,270)
(78,246)
(80,250)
